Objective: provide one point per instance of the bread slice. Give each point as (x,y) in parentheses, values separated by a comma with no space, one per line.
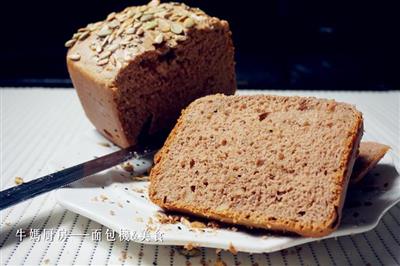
(370,153)
(137,69)
(280,163)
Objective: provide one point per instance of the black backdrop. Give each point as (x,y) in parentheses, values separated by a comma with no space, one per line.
(280,44)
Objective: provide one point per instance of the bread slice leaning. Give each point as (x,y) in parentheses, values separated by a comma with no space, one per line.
(370,153)
(280,163)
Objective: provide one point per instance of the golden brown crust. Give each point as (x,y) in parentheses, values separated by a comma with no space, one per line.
(130,84)
(353,144)
(97,98)
(349,157)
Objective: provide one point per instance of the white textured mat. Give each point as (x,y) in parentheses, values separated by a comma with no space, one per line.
(37,124)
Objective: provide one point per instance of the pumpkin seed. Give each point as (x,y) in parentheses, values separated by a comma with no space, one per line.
(137,15)
(92,47)
(113,24)
(99,49)
(176,28)
(74,57)
(154,3)
(143,8)
(84,35)
(146,17)
(104,31)
(188,23)
(130,30)
(76,35)
(106,54)
(91,26)
(102,62)
(112,60)
(140,31)
(182,18)
(70,43)
(150,25)
(113,47)
(172,43)
(180,38)
(159,38)
(164,26)
(131,13)
(111,16)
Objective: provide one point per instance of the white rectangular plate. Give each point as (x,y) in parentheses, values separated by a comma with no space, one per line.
(119,202)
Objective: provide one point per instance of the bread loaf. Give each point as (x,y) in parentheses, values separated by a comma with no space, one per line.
(138,68)
(280,163)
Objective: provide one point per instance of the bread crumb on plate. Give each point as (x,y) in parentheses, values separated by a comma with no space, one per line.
(103,198)
(105,144)
(128,167)
(18,180)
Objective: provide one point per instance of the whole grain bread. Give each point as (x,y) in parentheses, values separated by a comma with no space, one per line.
(136,70)
(280,163)
(370,153)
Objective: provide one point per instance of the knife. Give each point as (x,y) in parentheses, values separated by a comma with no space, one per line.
(59,179)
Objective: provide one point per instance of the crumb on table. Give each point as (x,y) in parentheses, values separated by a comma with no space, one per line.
(232,249)
(104,144)
(128,167)
(18,180)
(123,256)
(103,198)
(189,250)
(219,262)
(140,178)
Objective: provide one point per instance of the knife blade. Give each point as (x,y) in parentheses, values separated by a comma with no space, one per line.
(64,177)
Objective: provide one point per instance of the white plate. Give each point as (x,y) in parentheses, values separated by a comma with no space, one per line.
(128,208)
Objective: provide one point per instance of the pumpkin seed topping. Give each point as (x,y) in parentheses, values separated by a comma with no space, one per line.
(117,40)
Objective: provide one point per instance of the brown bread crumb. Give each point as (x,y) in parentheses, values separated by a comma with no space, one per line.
(128,167)
(219,262)
(232,249)
(189,250)
(105,144)
(18,180)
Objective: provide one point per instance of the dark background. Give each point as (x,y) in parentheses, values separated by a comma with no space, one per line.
(281,44)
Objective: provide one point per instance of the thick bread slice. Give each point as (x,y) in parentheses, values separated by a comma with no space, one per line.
(370,153)
(280,163)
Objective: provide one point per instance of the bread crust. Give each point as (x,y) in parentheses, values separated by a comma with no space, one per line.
(98,101)
(329,226)
(131,86)
(370,154)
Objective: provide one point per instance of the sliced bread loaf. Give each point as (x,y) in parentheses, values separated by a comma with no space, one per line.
(280,163)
